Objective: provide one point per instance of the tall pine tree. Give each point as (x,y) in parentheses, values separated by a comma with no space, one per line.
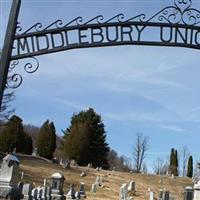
(46,140)
(14,137)
(85,139)
(174,162)
(190,167)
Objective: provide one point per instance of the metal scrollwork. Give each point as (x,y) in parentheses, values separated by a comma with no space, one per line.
(18,29)
(118,17)
(140,18)
(15,80)
(58,24)
(179,13)
(191,17)
(77,21)
(36,27)
(30,67)
(99,20)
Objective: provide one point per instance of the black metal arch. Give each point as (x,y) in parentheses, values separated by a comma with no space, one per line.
(180,21)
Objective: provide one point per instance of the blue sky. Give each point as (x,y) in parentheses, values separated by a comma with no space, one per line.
(153,90)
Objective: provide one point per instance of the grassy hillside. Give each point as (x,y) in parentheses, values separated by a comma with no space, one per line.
(37,169)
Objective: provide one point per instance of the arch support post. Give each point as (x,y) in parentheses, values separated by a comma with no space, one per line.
(7,47)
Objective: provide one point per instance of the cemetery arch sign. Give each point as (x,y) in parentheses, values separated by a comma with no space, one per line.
(176,26)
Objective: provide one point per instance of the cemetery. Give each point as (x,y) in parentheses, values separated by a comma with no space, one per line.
(78,162)
(27,178)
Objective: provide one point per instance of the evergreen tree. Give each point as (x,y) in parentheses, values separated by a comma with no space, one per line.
(174,162)
(85,139)
(76,145)
(14,137)
(46,140)
(190,167)
(28,146)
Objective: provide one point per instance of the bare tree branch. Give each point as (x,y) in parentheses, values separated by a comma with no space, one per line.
(139,151)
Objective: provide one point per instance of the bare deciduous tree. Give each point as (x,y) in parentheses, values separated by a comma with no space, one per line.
(184,157)
(160,167)
(139,151)
(6,111)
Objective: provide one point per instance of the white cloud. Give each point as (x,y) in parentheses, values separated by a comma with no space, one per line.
(173,128)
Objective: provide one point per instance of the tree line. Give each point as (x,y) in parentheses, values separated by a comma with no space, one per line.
(85,141)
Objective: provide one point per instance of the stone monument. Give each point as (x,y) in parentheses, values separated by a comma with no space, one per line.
(9,178)
(188,194)
(57,183)
(197,191)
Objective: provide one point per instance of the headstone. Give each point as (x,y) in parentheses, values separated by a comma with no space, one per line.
(197,191)
(34,193)
(20,186)
(83,174)
(101,181)
(188,194)
(39,194)
(89,165)
(71,193)
(55,161)
(161,181)
(97,182)
(45,182)
(82,190)
(94,189)
(160,195)
(26,191)
(44,192)
(123,193)
(57,183)
(61,162)
(9,177)
(166,195)
(34,152)
(97,169)
(77,195)
(151,196)
(48,193)
(22,175)
(73,163)
(131,187)
(66,164)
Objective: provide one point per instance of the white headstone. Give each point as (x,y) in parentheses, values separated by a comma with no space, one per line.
(131,187)
(93,188)
(123,193)
(151,196)
(26,191)
(83,174)
(71,193)
(197,191)
(97,182)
